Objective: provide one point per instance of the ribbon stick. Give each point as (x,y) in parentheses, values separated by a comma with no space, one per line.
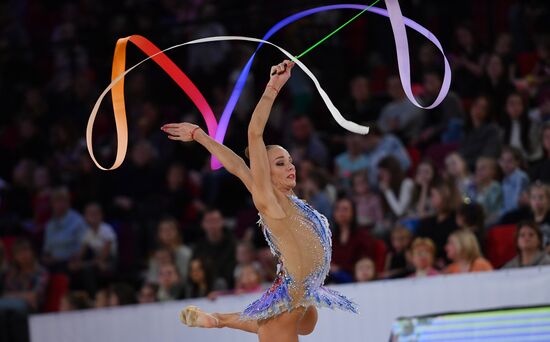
(218,131)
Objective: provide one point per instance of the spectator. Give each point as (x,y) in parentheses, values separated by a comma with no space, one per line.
(519,130)
(169,237)
(121,294)
(529,247)
(463,249)
(466,61)
(25,282)
(442,124)
(249,280)
(218,247)
(482,138)
(471,216)
(350,161)
(305,143)
(423,256)
(495,83)
(313,191)
(397,260)
(396,187)
(540,170)
(64,232)
(368,203)
(162,256)
(75,300)
(515,181)
(101,299)
(170,284)
(458,173)
(485,190)
(202,281)
(148,293)
(349,241)
(365,270)
(362,105)
(439,226)
(379,146)
(426,175)
(245,255)
(97,258)
(400,117)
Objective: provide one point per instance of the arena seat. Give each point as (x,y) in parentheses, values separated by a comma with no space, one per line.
(8,241)
(500,244)
(58,286)
(380,255)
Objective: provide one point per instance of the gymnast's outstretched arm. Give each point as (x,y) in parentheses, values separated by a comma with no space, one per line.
(263,193)
(230,160)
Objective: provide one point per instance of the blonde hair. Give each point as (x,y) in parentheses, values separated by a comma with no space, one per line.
(468,247)
(424,243)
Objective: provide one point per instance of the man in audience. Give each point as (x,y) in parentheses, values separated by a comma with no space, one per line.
(218,246)
(64,232)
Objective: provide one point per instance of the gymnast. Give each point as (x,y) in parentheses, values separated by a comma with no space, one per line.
(297,234)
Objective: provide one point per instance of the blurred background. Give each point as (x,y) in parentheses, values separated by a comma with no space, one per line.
(460,188)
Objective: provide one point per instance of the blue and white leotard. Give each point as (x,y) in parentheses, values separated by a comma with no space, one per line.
(302,243)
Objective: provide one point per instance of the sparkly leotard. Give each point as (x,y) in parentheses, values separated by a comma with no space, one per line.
(302,243)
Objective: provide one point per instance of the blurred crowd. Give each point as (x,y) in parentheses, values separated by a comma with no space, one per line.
(418,196)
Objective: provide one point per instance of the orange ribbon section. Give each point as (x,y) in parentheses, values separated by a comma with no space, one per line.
(117,94)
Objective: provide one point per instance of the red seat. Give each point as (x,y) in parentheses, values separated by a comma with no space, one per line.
(380,255)
(58,286)
(500,244)
(526,62)
(8,241)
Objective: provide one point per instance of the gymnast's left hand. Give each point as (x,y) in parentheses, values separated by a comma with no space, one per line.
(183,131)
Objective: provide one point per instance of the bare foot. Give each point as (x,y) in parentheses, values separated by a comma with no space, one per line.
(192,316)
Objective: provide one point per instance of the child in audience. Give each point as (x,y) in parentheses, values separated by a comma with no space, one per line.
(515,182)
(397,264)
(423,256)
(368,203)
(485,189)
(365,270)
(529,247)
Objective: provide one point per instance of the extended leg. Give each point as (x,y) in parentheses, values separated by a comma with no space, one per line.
(195,317)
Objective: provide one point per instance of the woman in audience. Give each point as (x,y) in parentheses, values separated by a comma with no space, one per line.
(529,247)
(148,293)
(470,216)
(426,174)
(364,270)
(395,186)
(482,137)
(538,211)
(170,284)
(397,260)
(540,170)
(367,202)
(169,237)
(463,250)
(485,189)
(423,257)
(519,130)
(439,226)
(457,172)
(349,242)
(201,280)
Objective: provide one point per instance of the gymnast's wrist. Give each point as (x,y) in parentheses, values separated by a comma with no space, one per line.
(271,90)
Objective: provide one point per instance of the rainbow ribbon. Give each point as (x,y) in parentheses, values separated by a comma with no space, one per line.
(218,131)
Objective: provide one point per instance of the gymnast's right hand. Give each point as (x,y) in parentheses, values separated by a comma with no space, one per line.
(184,131)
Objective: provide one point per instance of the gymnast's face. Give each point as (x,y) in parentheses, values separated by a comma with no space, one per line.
(283,172)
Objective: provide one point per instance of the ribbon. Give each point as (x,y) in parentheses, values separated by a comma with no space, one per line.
(398,24)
